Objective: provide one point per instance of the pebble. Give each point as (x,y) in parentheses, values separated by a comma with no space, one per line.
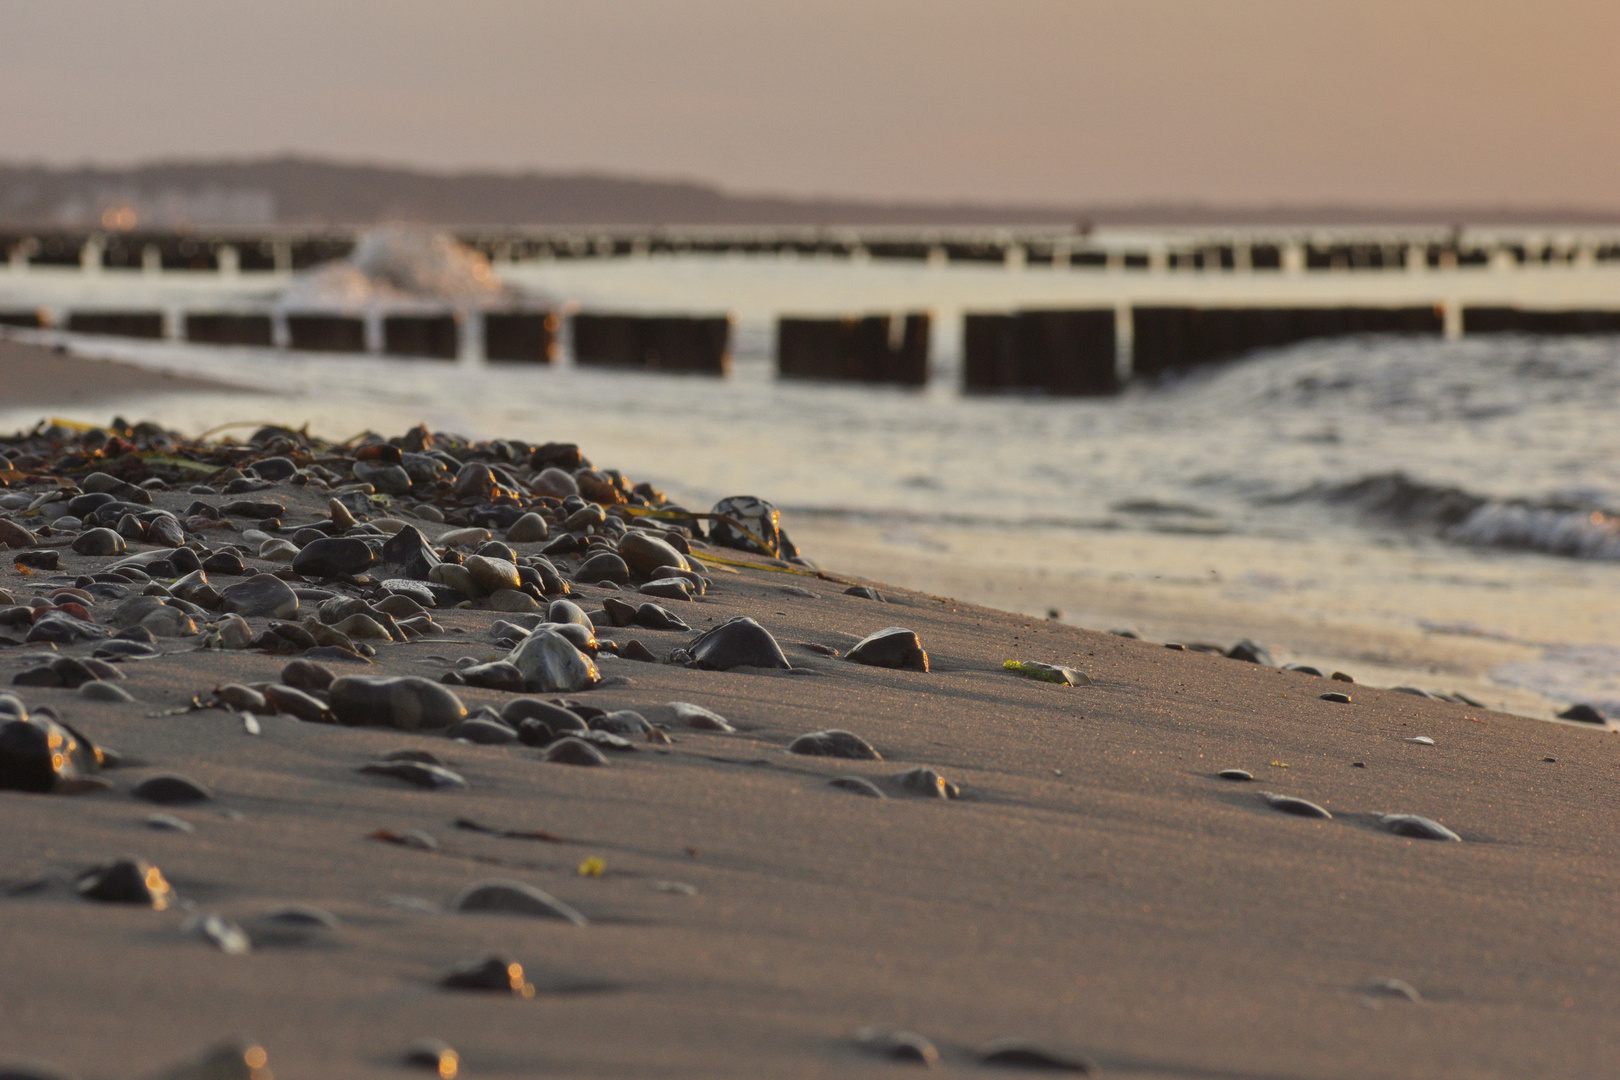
(603,566)
(528,529)
(586,517)
(858,785)
(225,563)
(1416,826)
(168,823)
(1421,740)
(551,664)
(555,717)
(97,690)
(1023,1054)
(220,931)
(408,555)
(1342,699)
(898,1044)
(278,550)
(574,751)
(925,781)
(261,596)
(98,542)
(387,479)
(465,537)
(1289,804)
(493,972)
(13,535)
(1395,988)
(171,789)
(1052,673)
(654,617)
(1583,713)
(737,642)
(556,482)
(497,675)
(511,600)
(456,577)
(126,880)
(491,575)
(37,752)
(435,1055)
(1339,676)
(334,557)
(1250,651)
(415,772)
(484,732)
(301,915)
(1303,669)
(362,627)
(408,702)
(307,675)
(865,592)
(119,649)
(61,628)
(514,897)
(1235,774)
(698,718)
(646,554)
(295,702)
(635,650)
(621,722)
(668,589)
(893,647)
(834,742)
(566,611)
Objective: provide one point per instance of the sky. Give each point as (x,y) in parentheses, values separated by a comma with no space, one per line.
(1236,102)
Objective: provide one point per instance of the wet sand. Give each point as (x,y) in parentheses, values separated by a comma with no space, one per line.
(32,375)
(1096,887)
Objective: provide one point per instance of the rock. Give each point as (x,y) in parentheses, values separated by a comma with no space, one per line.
(37,752)
(1235,774)
(1303,669)
(456,577)
(278,551)
(239,697)
(171,789)
(510,600)
(474,480)
(1395,988)
(97,690)
(435,1055)
(1342,699)
(556,718)
(388,479)
(491,575)
(168,622)
(127,880)
(834,742)
(493,973)
(1584,714)
(574,751)
(894,647)
(234,1060)
(762,521)
(586,517)
(514,897)
(551,664)
(1416,826)
(261,596)
(646,554)
(1250,651)
(219,932)
(334,557)
(737,642)
(898,1045)
(1023,1054)
(60,628)
(582,639)
(603,566)
(67,671)
(1052,673)
(566,611)
(668,589)
(408,703)
(858,786)
(38,560)
(418,773)
(275,469)
(865,592)
(619,612)
(225,564)
(621,722)
(118,649)
(295,702)
(13,535)
(553,481)
(654,617)
(362,627)
(483,732)
(168,823)
(1289,804)
(1421,740)
(98,542)
(307,675)
(926,782)
(698,718)
(408,555)
(635,650)
(528,529)
(497,675)
(253,508)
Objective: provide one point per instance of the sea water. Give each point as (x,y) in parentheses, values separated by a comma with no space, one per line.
(1436,512)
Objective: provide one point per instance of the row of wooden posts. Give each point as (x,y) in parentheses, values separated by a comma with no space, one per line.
(1061,352)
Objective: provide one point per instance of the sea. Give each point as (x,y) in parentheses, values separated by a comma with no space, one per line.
(1442,515)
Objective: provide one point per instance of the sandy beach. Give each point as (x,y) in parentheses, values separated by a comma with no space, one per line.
(1095,889)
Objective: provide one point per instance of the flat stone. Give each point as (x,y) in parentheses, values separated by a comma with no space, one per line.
(502,895)
(261,596)
(898,1045)
(1416,826)
(416,773)
(894,647)
(1289,804)
(834,742)
(483,732)
(654,617)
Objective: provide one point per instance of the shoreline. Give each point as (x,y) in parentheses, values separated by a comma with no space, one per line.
(39,376)
(1096,889)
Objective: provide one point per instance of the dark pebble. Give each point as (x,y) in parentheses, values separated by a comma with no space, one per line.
(698,718)
(514,897)
(622,722)
(1023,1054)
(484,732)
(603,566)
(865,592)
(121,648)
(1417,827)
(894,647)
(654,617)
(737,642)
(635,650)
(858,785)
(409,703)
(1289,804)
(435,1055)
(417,773)
(295,702)
(898,1045)
(495,675)
(307,675)
(574,751)
(1251,651)
(171,789)
(224,563)
(263,595)
(926,782)
(100,542)
(1342,699)
(1583,713)
(37,751)
(491,973)
(834,743)
(334,556)
(1303,669)
(128,880)
(1235,774)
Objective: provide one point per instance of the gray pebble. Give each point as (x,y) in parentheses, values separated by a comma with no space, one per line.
(834,743)
(168,823)
(171,789)
(898,1044)
(1235,774)
(1023,1054)
(893,647)
(857,785)
(574,751)
(1289,804)
(1416,826)
(417,773)
(514,897)
(262,595)
(698,718)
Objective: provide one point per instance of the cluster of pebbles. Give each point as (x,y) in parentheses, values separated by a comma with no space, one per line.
(129,543)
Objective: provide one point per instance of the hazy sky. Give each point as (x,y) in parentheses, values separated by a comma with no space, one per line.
(1071,101)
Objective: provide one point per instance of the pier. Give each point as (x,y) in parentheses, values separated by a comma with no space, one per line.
(1055,311)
